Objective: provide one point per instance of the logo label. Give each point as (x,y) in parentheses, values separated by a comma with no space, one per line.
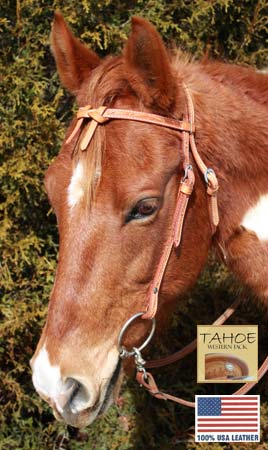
(227,353)
(227,418)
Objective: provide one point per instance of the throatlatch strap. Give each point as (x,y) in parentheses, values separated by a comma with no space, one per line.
(208,173)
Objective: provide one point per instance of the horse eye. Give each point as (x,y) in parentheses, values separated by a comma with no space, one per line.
(143,209)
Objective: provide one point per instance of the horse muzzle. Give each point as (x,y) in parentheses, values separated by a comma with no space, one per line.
(75,405)
(76,400)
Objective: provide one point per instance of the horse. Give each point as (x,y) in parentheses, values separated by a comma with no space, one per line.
(114,188)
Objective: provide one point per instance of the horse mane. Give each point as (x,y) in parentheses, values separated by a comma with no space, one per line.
(246,80)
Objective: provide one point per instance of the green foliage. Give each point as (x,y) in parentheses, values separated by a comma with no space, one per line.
(34,112)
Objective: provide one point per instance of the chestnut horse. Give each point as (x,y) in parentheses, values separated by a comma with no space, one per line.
(114,203)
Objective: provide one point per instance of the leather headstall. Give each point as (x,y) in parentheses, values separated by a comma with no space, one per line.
(101,115)
(93,117)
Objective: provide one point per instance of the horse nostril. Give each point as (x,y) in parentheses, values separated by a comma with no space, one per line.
(74,396)
(67,393)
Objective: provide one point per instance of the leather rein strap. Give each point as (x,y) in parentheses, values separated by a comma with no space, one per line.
(186,127)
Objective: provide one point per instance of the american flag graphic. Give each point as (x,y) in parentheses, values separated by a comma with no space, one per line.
(227,414)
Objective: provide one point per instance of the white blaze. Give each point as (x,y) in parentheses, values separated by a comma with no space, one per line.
(46,378)
(256,218)
(75,189)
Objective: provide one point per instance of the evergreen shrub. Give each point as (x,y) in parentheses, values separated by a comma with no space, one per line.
(34,113)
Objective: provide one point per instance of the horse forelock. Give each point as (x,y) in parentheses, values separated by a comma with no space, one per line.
(90,163)
(105,84)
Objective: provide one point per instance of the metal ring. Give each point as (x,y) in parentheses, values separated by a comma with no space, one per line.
(123,352)
(207,172)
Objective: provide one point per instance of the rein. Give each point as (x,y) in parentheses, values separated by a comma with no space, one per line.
(186,128)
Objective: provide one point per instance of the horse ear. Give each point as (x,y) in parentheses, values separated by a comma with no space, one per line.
(74,60)
(150,72)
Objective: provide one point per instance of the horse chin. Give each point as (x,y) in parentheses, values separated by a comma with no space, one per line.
(109,395)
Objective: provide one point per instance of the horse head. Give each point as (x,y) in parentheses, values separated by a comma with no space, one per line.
(114,197)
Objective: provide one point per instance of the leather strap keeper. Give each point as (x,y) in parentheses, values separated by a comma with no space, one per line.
(186,188)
